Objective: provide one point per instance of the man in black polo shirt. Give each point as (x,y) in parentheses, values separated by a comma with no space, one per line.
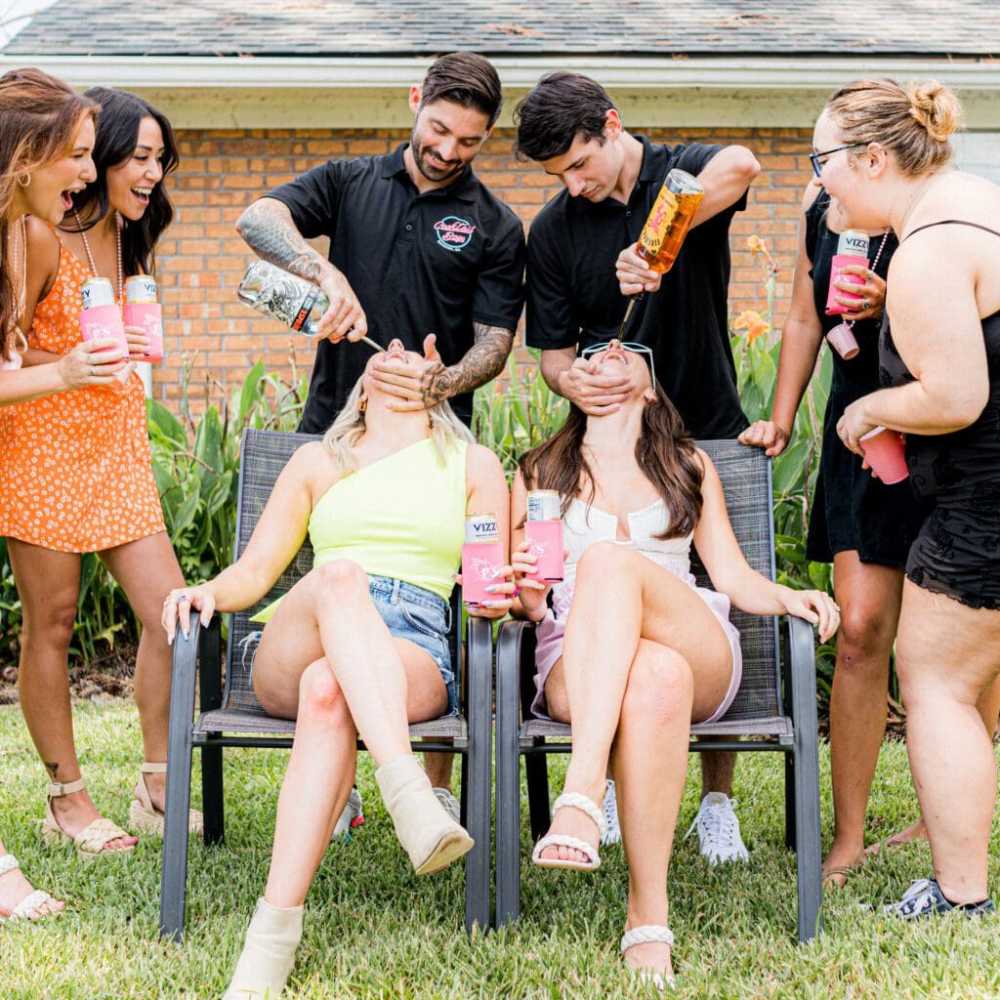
(581,265)
(418,245)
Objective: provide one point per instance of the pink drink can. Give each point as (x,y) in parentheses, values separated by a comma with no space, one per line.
(101,318)
(482,559)
(852,249)
(142,310)
(544,531)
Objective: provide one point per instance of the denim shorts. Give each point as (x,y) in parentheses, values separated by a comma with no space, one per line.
(409,612)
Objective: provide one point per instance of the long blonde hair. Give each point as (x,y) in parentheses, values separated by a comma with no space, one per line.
(914,122)
(446,430)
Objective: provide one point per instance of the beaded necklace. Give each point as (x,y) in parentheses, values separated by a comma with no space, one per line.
(118,253)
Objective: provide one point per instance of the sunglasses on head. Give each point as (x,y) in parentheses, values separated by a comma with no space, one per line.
(627,345)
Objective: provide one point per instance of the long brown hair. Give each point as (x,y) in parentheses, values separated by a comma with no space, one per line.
(39,117)
(665,453)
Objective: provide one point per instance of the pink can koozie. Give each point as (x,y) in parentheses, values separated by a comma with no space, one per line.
(482,559)
(103,323)
(839,262)
(149,316)
(886,454)
(546,538)
(843,341)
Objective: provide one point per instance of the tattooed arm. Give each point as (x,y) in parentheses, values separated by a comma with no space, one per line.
(269,230)
(435,382)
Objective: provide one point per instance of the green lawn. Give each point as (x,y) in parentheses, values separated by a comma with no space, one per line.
(375,930)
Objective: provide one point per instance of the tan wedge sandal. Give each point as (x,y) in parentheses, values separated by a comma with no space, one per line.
(92,841)
(144,817)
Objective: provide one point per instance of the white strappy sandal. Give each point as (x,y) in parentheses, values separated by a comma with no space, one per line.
(92,840)
(649,934)
(571,800)
(144,817)
(30,907)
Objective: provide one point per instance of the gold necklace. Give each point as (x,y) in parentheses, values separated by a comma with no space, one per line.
(90,254)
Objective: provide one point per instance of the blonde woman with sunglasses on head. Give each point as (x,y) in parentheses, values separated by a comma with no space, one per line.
(631,651)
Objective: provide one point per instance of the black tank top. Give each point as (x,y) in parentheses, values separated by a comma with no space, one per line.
(966,463)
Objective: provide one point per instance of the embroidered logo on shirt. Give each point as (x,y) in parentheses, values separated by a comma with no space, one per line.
(454,233)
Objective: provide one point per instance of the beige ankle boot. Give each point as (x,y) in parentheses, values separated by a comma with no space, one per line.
(268,953)
(428,834)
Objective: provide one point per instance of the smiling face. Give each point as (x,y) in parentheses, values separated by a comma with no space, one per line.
(851,177)
(616,359)
(446,137)
(131,183)
(590,168)
(49,195)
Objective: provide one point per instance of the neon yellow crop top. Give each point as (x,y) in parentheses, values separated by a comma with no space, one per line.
(403,517)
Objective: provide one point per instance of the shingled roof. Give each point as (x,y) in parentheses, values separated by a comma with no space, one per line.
(965,28)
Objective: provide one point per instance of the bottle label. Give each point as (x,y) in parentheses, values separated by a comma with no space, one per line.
(481,528)
(654,232)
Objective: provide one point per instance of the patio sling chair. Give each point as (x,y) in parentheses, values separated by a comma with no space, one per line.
(231,716)
(775,708)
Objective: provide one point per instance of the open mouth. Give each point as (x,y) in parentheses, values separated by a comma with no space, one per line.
(66,198)
(142,195)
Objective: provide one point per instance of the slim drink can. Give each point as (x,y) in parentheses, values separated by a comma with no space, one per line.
(544,505)
(482,558)
(854,243)
(852,249)
(140,289)
(96,292)
(544,531)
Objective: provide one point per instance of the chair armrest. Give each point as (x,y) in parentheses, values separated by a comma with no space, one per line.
(799,679)
(479,660)
(210,665)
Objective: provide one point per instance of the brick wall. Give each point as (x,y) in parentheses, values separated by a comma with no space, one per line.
(201,257)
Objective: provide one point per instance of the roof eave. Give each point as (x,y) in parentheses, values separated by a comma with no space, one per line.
(794,71)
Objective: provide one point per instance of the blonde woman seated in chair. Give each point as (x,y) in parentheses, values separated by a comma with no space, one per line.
(359,646)
(631,651)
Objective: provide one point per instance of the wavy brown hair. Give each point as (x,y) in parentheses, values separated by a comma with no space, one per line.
(665,452)
(39,117)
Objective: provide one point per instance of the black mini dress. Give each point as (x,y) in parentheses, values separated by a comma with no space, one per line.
(957,551)
(851,509)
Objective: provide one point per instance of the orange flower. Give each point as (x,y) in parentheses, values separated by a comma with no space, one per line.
(754,324)
(756,245)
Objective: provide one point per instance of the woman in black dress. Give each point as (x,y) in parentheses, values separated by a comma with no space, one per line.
(862,526)
(887,165)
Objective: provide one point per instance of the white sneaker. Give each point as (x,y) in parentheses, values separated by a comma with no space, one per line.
(612,831)
(351,818)
(450,803)
(719,830)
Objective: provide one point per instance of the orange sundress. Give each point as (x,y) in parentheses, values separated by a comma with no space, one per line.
(76,466)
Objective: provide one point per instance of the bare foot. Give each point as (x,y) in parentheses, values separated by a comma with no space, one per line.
(14,888)
(915,831)
(75,812)
(573,822)
(839,864)
(653,958)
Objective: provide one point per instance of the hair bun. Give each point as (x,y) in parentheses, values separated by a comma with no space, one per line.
(935,108)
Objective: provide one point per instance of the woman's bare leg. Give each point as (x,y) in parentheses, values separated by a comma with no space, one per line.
(948,657)
(48,584)
(322,767)
(330,614)
(869,597)
(621,597)
(147,570)
(649,761)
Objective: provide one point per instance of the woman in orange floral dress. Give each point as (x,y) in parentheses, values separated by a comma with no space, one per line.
(76,474)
